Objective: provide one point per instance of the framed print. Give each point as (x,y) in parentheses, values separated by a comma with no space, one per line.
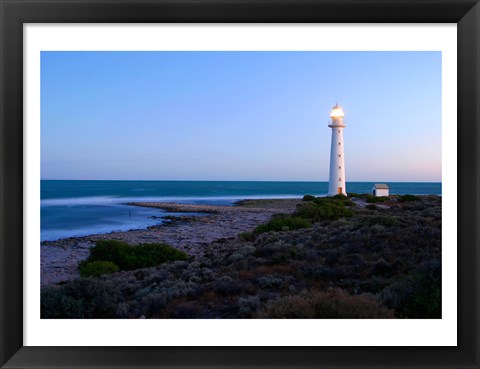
(192,208)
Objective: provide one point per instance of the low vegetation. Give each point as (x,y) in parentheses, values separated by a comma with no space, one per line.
(330,259)
(373,199)
(111,254)
(283,223)
(97,268)
(405,198)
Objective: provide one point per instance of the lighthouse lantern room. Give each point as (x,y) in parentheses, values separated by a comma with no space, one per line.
(336,184)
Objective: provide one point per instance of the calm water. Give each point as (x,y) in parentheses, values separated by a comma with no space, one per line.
(78,208)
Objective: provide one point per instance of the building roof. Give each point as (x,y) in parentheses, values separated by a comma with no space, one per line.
(381,186)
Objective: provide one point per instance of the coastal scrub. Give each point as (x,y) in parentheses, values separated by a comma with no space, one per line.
(283,223)
(367,263)
(97,268)
(128,257)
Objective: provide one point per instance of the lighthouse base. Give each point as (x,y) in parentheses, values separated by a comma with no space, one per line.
(337,191)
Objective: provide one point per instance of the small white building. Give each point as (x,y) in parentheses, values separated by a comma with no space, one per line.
(380,190)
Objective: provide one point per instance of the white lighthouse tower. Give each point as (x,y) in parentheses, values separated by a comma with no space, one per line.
(337,154)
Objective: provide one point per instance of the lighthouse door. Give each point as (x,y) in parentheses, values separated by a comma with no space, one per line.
(339,191)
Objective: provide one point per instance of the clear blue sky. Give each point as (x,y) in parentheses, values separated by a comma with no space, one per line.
(239,115)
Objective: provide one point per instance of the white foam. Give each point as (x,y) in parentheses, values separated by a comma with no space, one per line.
(106,200)
(97,200)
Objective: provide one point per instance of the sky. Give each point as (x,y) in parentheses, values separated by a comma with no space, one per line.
(239,115)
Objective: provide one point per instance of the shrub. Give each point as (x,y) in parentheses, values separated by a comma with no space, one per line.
(186,310)
(373,199)
(157,301)
(375,284)
(377,228)
(269,249)
(337,200)
(247,236)
(318,211)
(359,195)
(417,295)
(79,299)
(308,198)
(285,223)
(386,221)
(318,272)
(332,304)
(381,268)
(332,257)
(56,305)
(248,305)
(226,286)
(128,257)
(270,281)
(406,198)
(371,207)
(96,268)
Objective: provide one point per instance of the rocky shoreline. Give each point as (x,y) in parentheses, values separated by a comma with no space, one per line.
(333,258)
(192,234)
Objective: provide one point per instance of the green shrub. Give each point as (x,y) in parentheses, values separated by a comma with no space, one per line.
(322,210)
(323,200)
(373,199)
(342,200)
(111,250)
(96,268)
(308,198)
(405,198)
(128,257)
(285,223)
(337,200)
(359,195)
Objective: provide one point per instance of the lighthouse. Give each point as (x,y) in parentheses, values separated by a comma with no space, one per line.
(336,183)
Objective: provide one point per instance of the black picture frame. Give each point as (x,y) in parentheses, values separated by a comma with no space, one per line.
(15,13)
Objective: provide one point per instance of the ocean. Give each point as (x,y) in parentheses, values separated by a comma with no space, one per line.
(79,208)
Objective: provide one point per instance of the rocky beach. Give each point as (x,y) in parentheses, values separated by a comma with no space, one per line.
(192,234)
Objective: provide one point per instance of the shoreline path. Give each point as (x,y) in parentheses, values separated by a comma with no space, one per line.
(192,234)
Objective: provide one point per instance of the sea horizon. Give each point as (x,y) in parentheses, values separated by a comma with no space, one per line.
(225,180)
